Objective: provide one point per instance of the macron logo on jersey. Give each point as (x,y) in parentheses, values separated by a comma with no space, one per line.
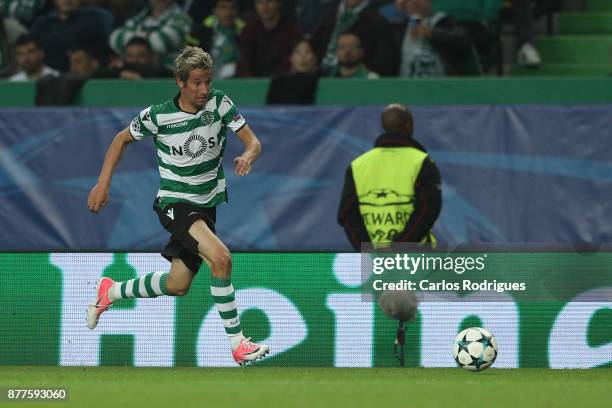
(170,213)
(175,125)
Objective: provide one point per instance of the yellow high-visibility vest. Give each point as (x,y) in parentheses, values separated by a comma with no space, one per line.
(384,180)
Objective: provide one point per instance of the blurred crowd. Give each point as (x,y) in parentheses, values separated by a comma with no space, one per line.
(256,38)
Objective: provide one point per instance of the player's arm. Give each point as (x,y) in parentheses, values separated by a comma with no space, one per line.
(98,197)
(252,150)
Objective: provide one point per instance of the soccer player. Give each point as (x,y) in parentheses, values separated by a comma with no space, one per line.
(189,133)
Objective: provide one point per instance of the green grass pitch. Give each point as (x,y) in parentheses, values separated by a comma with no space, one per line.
(254,387)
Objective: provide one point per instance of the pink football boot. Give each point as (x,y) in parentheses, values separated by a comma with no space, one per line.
(248,352)
(102,302)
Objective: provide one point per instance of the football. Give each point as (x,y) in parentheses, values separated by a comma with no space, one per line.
(475,349)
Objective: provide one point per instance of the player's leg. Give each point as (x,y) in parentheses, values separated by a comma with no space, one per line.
(219,260)
(179,279)
(174,283)
(181,251)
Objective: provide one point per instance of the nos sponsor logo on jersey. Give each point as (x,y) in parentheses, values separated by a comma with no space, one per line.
(194,146)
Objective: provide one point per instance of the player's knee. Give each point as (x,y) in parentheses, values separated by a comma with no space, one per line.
(181,291)
(222,264)
(177,289)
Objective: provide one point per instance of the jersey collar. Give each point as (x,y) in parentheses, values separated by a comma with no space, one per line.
(397,140)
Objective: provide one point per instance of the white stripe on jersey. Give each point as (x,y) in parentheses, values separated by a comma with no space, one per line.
(225,105)
(167,118)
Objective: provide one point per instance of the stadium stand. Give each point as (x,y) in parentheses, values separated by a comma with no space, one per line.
(581,45)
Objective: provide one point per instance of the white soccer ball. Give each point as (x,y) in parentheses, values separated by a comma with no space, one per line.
(475,349)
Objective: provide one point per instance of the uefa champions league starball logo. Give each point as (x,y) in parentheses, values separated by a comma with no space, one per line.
(136,125)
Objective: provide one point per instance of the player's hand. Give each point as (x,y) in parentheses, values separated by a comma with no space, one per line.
(242,166)
(98,198)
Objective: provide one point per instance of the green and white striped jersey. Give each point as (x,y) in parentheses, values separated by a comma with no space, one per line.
(190,148)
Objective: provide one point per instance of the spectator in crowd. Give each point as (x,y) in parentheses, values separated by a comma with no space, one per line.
(84,62)
(31,60)
(528,54)
(22,10)
(217,34)
(303,58)
(139,62)
(267,41)
(431,44)
(163,24)
(480,21)
(63,89)
(299,86)
(362,18)
(66,27)
(10,31)
(349,53)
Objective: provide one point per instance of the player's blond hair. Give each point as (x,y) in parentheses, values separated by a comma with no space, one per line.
(191,58)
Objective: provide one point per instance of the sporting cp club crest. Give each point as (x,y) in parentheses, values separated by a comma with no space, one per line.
(207,118)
